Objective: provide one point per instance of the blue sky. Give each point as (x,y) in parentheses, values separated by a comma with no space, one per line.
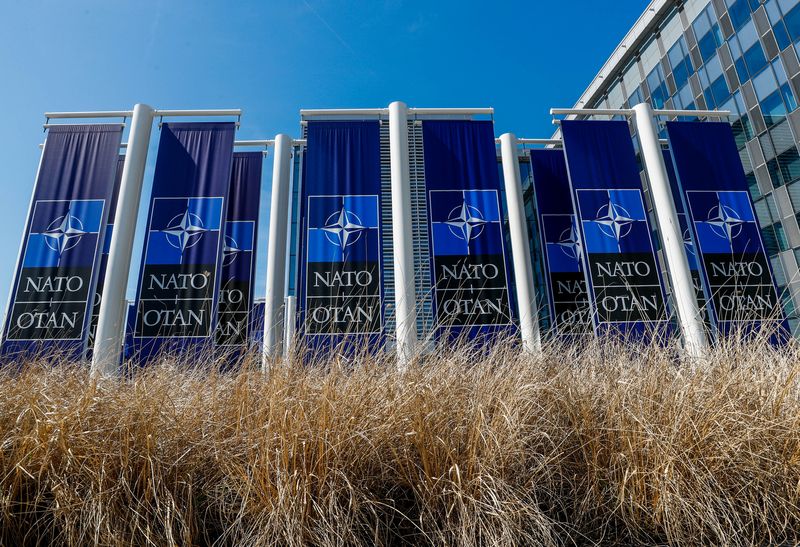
(272,58)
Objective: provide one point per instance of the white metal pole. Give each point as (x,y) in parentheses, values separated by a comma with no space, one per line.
(290,323)
(517,225)
(687,307)
(276,248)
(405,294)
(113,308)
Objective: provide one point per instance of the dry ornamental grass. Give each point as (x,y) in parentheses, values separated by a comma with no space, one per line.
(589,443)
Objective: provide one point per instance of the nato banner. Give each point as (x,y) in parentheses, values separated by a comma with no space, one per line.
(179,281)
(341,290)
(688,242)
(238,255)
(57,270)
(623,277)
(561,244)
(736,269)
(469,272)
(101,273)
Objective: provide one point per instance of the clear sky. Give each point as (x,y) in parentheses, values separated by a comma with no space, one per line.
(273,57)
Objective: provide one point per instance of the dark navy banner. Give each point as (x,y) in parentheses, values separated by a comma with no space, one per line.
(101,273)
(469,270)
(623,278)
(688,242)
(340,289)
(180,274)
(561,244)
(238,256)
(57,270)
(736,269)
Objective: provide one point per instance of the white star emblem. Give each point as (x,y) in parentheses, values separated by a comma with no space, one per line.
(63,233)
(614,220)
(570,243)
(184,230)
(724,222)
(343,228)
(466,222)
(230,251)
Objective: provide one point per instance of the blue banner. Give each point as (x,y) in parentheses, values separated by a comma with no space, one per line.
(624,281)
(238,256)
(341,289)
(179,278)
(57,271)
(736,270)
(469,267)
(561,244)
(101,273)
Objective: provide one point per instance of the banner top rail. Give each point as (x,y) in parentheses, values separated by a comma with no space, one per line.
(129,113)
(630,112)
(304,112)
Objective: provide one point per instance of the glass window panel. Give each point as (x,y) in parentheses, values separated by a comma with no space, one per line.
(672,31)
(702,24)
(631,78)
(770,241)
(777,269)
(752,185)
(773,11)
(792,20)
(650,56)
(707,45)
(747,35)
(615,96)
(765,84)
(719,88)
(773,109)
(787,5)
(781,35)
(794,196)
(739,13)
(762,213)
(789,163)
(755,59)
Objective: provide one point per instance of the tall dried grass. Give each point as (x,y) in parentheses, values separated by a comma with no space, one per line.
(591,443)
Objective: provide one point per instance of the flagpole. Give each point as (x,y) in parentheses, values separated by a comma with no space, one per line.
(520,251)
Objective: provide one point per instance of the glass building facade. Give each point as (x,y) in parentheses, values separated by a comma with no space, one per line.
(736,55)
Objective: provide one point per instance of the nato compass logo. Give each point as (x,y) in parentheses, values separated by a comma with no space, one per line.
(63,233)
(724,221)
(184,230)
(614,221)
(562,242)
(343,228)
(465,222)
(238,241)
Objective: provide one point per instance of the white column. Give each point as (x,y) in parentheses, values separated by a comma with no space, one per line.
(291,322)
(113,307)
(518,227)
(680,276)
(276,248)
(404,290)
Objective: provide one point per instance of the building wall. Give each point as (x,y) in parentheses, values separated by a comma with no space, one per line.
(742,56)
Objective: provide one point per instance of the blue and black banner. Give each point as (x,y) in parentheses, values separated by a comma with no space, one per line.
(180,276)
(58,267)
(469,267)
(341,288)
(101,273)
(238,255)
(623,277)
(736,270)
(561,244)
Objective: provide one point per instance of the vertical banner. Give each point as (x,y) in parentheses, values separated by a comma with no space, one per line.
(561,244)
(624,282)
(101,273)
(57,270)
(179,278)
(686,234)
(736,269)
(341,289)
(469,269)
(238,255)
